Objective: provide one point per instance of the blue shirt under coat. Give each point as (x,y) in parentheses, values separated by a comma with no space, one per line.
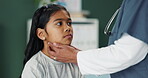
(132,19)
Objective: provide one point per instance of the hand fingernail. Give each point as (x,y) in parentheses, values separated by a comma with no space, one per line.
(54,44)
(49,43)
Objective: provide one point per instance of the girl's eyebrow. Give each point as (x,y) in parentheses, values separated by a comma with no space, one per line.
(69,19)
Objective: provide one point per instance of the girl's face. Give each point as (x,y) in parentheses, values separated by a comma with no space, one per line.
(59,29)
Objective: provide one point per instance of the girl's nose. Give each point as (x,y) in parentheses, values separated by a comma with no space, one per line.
(67,29)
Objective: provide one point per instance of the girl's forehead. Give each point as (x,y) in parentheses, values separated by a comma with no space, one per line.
(60,14)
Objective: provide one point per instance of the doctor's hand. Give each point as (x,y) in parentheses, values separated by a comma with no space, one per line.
(63,53)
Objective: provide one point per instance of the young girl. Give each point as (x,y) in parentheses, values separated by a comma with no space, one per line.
(51,23)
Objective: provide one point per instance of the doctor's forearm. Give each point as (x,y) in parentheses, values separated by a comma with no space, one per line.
(126,52)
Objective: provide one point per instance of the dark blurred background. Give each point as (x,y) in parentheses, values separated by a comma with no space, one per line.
(13,29)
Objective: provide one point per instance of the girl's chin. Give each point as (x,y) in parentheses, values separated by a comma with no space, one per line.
(66,43)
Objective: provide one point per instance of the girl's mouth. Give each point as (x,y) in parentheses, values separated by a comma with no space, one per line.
(68,36)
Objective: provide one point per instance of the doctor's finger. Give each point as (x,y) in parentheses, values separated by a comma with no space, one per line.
(60,46)
(55,44)
(75,48)
(51,53)
(52,47)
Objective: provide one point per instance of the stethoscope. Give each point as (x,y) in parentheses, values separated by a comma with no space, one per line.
(106,30)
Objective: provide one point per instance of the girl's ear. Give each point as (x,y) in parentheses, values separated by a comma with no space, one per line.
(41,33)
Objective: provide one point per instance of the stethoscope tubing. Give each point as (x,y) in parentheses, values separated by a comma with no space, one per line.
(106,30)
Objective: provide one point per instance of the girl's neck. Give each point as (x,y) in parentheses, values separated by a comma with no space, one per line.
(45,49)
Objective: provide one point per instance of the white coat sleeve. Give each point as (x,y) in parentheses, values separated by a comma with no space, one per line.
(125,52)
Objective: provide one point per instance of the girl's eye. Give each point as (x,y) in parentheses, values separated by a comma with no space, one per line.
(69,23)
(59,23)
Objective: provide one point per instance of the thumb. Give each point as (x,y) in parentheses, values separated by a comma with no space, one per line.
(52,53)
(60,46)
(57,44)
(51,46)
